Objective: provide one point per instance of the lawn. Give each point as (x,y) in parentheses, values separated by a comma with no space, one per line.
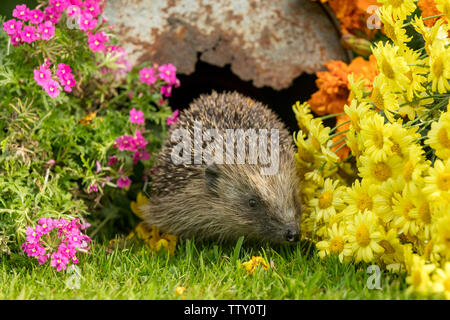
(206,270)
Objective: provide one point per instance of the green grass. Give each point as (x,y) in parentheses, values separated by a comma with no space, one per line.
(208,271)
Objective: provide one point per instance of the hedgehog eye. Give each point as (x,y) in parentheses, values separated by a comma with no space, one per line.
(252,203)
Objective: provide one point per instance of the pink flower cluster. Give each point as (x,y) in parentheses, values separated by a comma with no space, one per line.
(166,72)
(30,26)
(135,145)
(68,235)
(43,77)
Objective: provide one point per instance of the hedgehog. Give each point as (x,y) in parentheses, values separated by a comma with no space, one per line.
(225,200)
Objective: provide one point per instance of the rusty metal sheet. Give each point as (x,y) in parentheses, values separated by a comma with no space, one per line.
(270,42)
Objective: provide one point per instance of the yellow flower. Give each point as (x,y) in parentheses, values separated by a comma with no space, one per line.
(441,280)
(405,214)
(383,98)
(439,136)
(441,235)
(336,243)
(355,144)
(392,65)
(136,207)
(430,35)
(400,8)
(179,290)
(252,264)
(393,28)
(393,249)
(383,200)
(380,171)
(416,74)
(414,167)
(364,232)
(419,277)
(375,135)
(360,197)
(414,107)
(356,112)
(402,139)
(87,119)
(328,202)
(437,184)
(303,115)
(439,61)
(444,7)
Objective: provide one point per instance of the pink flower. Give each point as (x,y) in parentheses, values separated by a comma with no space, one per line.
(42,75)
(139,141)
(59,5)
(35,16)
(73,10)
(93,7)
(47,30)
(12,26)
(42,259)
(52,14)
(166,90)
(112,160)
(21,12)
(97,41)
(16,40)
(140,155)
(98,166)
(63,70)
(174,118)
(136,116)
(123,182)
(167,72)
(87,22)
(59,261)
(46,224)
(67,82)
(147,75)
(52,88)
(93,188)
(28,34)
(125,143)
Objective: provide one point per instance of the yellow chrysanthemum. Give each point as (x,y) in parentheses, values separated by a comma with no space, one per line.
(444,7)
(336,243)
(360,197)
(416,73)
(437,184)
(392,66)
(328,202)
(439,61)
(405,215)
(441,235)
(414,167)
(355,144)
(251,265)
(439,136)
(441,280)
(393,249)
(375,135)
(357,111)
(364,232)
(136,206)
(393,28)
(383,98)
(430,35)
(415,107)
(379,171)
(419,278)
(400,8)
(383,200)
(303,116)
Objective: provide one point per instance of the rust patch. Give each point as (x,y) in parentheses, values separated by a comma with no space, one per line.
(270,45)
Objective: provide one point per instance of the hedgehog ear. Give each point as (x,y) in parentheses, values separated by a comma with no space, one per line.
(212,174)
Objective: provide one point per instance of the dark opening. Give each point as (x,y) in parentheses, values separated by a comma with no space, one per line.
(208,77)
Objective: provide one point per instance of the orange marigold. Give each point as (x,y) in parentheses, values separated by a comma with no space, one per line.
(428,8)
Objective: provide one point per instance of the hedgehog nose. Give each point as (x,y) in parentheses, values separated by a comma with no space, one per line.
(292,235)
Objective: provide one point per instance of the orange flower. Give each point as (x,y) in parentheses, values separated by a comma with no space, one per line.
(352,14)
(334,91)
(428,8)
